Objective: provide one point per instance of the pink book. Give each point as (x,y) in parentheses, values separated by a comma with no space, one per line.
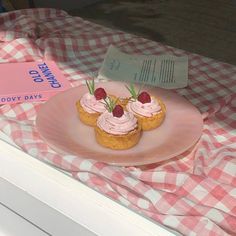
(30,81)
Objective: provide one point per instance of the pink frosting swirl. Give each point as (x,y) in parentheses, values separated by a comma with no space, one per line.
(91,105)
(144,109)
(117,125)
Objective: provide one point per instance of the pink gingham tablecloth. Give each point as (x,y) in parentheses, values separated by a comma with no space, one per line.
(195,194)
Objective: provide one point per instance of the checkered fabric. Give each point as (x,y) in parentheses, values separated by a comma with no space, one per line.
(194,194)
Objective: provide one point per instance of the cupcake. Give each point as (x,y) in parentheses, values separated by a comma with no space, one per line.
(149,110)
(116,128)
(91,104)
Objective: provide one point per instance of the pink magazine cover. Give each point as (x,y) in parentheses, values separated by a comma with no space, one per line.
(30,81)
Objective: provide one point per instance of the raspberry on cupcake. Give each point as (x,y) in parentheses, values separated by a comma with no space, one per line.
(149,110)
(116,128)
(91,105)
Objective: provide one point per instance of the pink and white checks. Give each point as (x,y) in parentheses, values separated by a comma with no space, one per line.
(196,193)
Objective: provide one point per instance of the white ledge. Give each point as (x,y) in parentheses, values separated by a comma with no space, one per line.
(71,198)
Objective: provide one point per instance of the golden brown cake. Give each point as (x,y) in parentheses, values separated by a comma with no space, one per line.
(88,118)
(117,129)
(149,110)
(91,104)
(153,121)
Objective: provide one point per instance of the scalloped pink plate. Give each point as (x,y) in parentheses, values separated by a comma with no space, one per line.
(60,126)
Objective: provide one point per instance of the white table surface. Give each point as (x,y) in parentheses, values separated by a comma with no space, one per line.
(50,202)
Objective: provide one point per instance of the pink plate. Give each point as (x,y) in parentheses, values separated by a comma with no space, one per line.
(58,124)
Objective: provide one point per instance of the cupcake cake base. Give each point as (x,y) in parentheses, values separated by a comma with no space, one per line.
(118,142)
(149,123)
(86,117)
